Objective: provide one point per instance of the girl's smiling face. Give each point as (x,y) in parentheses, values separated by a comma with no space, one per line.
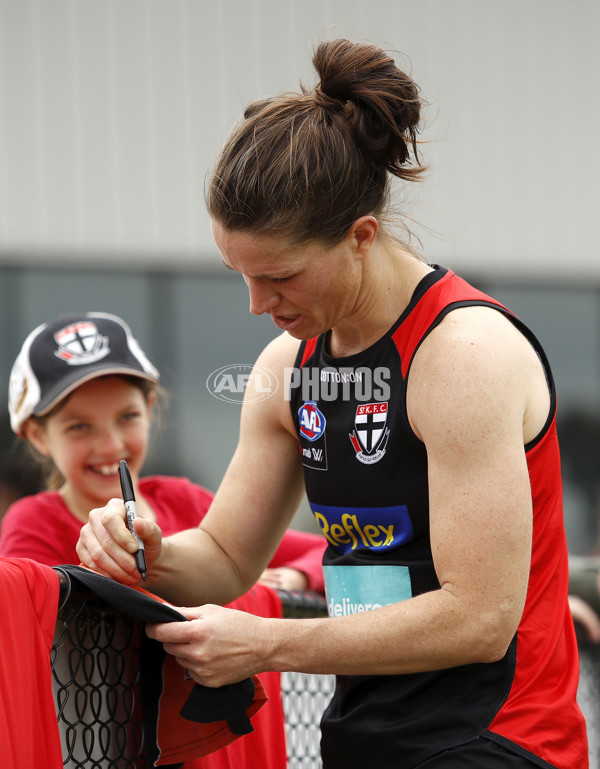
(103,421)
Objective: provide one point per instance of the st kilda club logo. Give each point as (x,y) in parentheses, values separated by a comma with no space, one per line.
(81,343)
(370,435)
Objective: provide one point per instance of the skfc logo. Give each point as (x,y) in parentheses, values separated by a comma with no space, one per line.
(312,421)
(229,383)
(81,343)
(370,435)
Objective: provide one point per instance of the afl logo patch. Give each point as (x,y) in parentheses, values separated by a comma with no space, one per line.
(312,421)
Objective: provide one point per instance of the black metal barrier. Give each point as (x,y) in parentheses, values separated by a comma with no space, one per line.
(95,663)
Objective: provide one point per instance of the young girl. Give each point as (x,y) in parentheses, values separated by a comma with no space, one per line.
(82,394)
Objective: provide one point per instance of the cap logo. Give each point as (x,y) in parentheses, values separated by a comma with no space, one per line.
(81,343)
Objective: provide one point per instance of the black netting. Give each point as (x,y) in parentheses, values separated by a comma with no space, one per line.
(95,664)
(95,659)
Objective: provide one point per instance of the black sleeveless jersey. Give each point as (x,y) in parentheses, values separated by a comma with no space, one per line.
(366,483)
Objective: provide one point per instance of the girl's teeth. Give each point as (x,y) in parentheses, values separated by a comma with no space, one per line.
(108,469)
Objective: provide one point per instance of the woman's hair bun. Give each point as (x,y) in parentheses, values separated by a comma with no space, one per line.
(306,165)
(381,101)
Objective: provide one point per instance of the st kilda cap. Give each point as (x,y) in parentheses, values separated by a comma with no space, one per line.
(62,354)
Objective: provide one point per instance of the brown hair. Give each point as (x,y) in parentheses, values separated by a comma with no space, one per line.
(53,478)
(307,165)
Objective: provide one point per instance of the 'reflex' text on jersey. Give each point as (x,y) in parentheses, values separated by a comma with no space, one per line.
(366,482)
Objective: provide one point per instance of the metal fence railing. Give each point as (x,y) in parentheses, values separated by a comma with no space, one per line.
(95,664)
(95,661)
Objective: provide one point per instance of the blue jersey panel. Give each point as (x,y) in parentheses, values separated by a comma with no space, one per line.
(380,528)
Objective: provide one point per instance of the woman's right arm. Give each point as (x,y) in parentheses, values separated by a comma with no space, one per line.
(254,505)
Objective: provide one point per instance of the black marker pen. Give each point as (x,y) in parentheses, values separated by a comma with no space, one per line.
(129,499)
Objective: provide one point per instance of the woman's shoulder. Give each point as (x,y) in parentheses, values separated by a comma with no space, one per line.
(280,353)
(277,360)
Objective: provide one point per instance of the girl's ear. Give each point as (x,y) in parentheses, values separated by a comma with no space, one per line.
(151,401)
(36,435)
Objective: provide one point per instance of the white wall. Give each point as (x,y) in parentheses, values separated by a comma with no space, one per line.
(111,112)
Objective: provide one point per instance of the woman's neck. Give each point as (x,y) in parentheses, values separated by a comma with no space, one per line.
(390,278)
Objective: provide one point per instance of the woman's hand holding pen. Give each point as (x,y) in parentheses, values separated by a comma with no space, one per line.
(107,546)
